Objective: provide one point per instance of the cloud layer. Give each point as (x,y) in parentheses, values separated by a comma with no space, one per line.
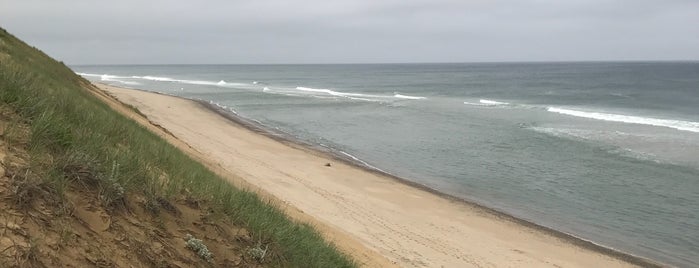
(346,31)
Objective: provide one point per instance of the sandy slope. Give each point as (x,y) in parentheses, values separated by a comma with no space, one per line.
(42,228)
(357,209)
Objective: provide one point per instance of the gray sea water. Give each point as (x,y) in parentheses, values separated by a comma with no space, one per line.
(608,152)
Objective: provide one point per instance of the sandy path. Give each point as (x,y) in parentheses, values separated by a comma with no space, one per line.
(354,208)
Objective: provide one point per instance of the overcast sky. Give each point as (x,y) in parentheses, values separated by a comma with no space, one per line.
(355,31)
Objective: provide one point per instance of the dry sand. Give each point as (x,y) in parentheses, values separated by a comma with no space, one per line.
(376,218)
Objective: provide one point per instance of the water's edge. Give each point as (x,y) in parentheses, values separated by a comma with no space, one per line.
(294,142)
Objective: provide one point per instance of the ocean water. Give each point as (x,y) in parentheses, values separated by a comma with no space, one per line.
(608,152)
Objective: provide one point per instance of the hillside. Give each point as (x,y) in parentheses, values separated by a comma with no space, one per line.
(84,186)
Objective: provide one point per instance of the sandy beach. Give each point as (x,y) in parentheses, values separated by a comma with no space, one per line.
(378,219)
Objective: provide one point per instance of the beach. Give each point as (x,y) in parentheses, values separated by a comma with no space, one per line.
(350,134)
(376,218)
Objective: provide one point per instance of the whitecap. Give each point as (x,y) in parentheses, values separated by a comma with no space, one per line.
(474,103)
(492,102)
(111,78)
(409,97)
(353,96)
(670,123)
(87,74)
(155,78)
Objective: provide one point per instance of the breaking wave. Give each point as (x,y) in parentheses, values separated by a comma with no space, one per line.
(112,78)
(298,91)
(492,102)
(155,78)
(355,96)
(484,102)
(120,79)
(676,124)
(408,97)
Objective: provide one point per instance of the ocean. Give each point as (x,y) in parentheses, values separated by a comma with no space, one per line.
(605,151)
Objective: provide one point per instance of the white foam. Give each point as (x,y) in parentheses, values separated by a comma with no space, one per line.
(408,97)
(103,77)
(220,83)
(475,103)
(327,91)
(131,83)
(155,78)
(223,107)
(358,96)
(111,78)
(492,102)
(168,79)
(200,82)
(323,97)
(86,74)
(360,161)
(108,77)
(486,103)
(353,96)
(676,124)
(305,91)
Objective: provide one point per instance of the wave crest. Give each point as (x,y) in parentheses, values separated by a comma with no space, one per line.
(492,102)
(488,103)
(155,78)
(298,91)
(409,97)
(676,124)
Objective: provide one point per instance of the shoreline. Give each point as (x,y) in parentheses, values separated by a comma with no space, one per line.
(318,151)
(291,141)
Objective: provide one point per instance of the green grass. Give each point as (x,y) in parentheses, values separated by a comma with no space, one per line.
(72,128)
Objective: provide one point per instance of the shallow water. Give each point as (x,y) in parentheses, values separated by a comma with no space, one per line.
(606,151)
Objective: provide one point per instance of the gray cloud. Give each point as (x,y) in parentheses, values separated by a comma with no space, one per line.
(303,31)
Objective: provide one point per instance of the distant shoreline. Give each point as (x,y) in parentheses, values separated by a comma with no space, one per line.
(316,150)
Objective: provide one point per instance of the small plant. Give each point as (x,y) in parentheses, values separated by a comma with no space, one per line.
(152,206)
(26,188)
(32,253)
(198,246)
(65,236)
(112,193)
(258,253)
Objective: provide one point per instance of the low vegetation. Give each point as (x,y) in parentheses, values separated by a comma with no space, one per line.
(78,179)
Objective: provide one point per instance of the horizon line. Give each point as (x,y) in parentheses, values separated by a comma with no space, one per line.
(406,63)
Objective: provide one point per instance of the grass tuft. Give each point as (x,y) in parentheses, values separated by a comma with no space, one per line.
(26,188)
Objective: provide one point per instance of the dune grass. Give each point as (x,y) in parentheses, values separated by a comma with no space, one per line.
(71,127)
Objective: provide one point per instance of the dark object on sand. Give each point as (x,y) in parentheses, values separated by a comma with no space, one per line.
(327,164)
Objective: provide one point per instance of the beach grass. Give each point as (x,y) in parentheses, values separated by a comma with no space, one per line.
(70,127)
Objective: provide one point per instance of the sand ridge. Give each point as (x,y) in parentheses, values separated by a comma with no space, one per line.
(364,213)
